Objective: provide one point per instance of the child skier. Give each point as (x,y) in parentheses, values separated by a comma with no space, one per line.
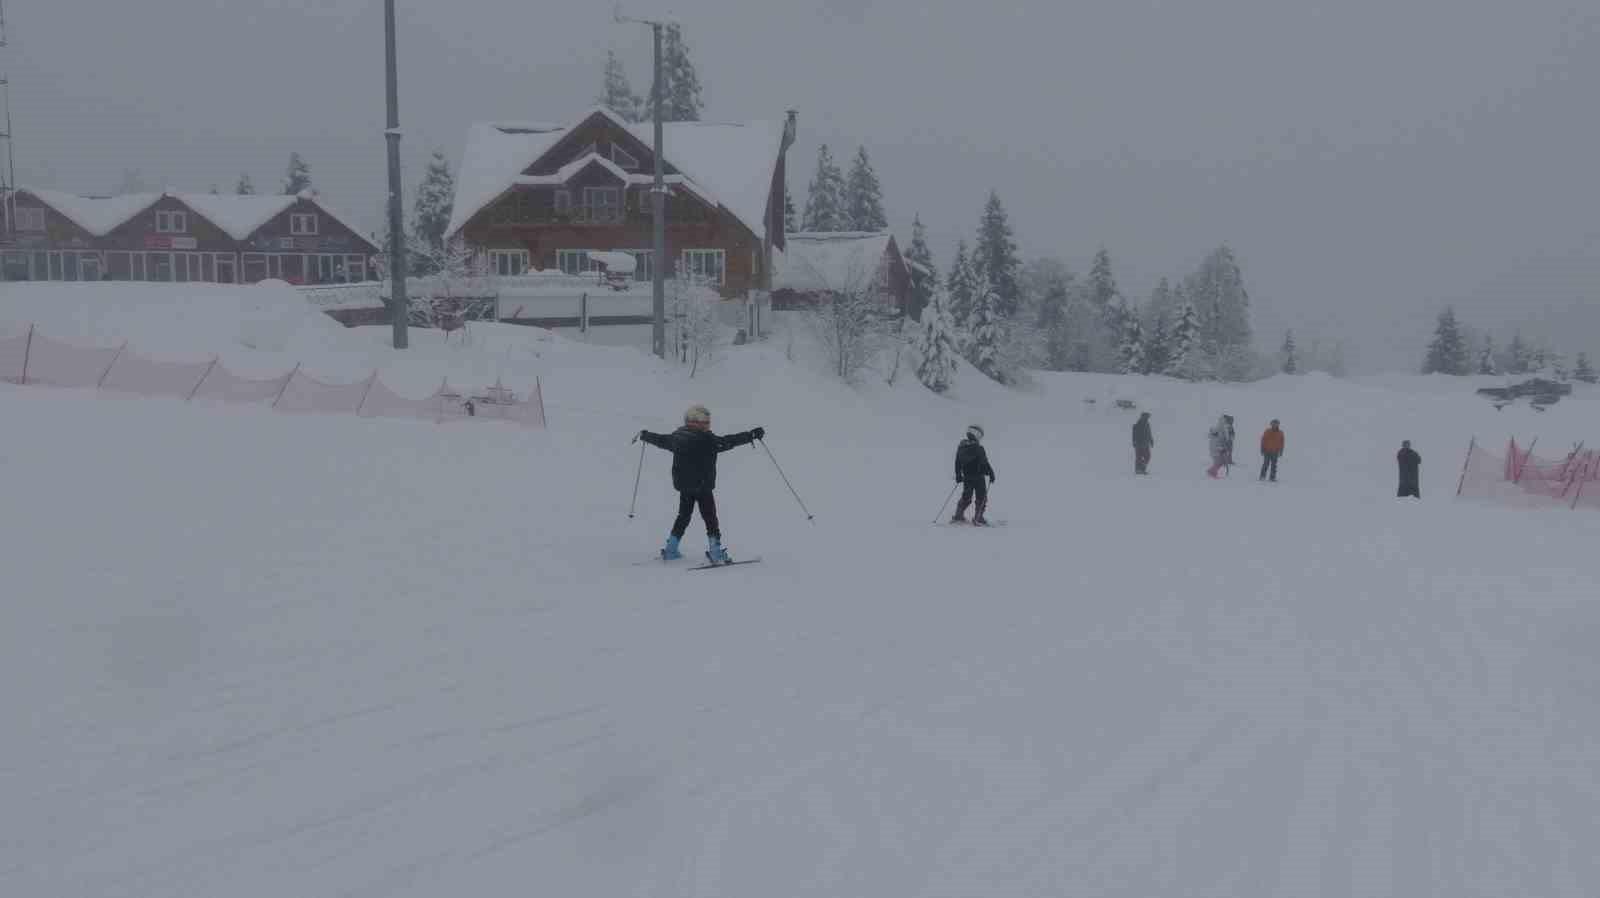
(1221,444)
(972,466)
(694,451)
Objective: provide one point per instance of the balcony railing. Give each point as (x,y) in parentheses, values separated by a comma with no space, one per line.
(593,214)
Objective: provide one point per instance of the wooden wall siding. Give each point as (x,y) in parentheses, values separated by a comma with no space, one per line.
(596,130)
(331,237)
(60,232)
(139,233)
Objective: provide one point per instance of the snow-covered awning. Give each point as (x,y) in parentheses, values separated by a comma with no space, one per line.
(616,263)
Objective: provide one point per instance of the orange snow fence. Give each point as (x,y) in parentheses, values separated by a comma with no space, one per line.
(32,359)
(1518,476)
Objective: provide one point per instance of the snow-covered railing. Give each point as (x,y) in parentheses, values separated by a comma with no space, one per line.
(32,359)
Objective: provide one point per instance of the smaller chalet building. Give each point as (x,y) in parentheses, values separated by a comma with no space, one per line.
(181,237)
(818,263)
(535,197)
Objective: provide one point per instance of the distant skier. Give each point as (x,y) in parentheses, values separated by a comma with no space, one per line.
(1271,451)
(694,451)
(1410,469)
(1220,441)
(1143,442)
(972,466)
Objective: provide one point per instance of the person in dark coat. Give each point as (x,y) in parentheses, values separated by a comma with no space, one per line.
(1143,442)
(1410,471)
(694,451)
(972,467)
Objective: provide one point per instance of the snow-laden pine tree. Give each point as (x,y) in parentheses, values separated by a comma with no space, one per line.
(245,187)
(1055,325)
(616,94)
(1130,352)
(864,195)
(1163,304)
(983,348)
(430,212)
(1185,343)
(1583,370)
(1447,352)
(1105,343)
(297,177)
(936,345)
(924,274)
(995,260)
(1486,363)
(1157,346)
(1289,358)
(825,202)
(680,84)
(1519,358)
(961,290)
(1218,293)
(791,218)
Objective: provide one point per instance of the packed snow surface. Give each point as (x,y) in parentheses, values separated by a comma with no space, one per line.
(249,654)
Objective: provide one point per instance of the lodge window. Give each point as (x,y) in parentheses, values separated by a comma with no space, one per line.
(29,218)
(706,265)
(563,200)
(303,224)
(508,263)
(172,221)
(577,261)
(602,203)
(624,158)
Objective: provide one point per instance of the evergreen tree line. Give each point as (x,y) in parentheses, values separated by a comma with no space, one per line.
(836,201)
(296,179)
(1456,349)
(681,99)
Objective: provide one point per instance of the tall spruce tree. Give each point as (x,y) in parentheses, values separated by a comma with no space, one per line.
(1185,342)
(1288,356)
(961,289)
(1583,370)
(1519,357)
(1105,300)
(1486,363)
(995,259)
(1130,351)
(297,177)
(430,212)
(936,345)
(791,218)
(245,187)
(825,203)
(617,95)
(1158,346)
(1447,352)
(680,83)
(924,274)
(1218,293)
(1055,315)
(864,196)
(984,333)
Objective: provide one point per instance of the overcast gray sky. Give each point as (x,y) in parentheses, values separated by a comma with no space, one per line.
(1369,160)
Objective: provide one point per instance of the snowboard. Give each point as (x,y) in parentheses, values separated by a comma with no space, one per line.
(705,566)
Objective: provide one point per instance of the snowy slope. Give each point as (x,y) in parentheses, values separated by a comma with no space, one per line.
(265,655)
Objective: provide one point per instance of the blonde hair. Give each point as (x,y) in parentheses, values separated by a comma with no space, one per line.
(697,414)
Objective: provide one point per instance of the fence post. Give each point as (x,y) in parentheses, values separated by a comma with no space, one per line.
(1588,467)
(285,386)
(538,391)
(101,382)
(27,351)
(1525,457)
(370,381)
(583,312)
(202,378)
(1463,481)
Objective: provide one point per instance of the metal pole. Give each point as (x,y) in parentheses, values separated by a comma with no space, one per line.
(658,211)
(398,304)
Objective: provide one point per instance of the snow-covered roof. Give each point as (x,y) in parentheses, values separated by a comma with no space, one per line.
(729,164)
(237,215)
(835,260)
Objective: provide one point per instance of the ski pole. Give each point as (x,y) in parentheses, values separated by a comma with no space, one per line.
(809,516)
(940,516)
(637,474)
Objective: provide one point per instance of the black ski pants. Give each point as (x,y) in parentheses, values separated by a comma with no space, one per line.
(1269,462)
(977,487)
(708,513)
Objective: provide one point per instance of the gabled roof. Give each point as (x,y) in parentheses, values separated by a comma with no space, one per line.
(730,165)
(833,260)
(239,216)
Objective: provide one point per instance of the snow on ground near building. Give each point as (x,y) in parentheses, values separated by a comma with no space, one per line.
(263,655)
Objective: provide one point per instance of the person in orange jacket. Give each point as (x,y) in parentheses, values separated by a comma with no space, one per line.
(1271,450)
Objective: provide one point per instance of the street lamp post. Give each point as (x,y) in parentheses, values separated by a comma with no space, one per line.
(399,306)
(658,203)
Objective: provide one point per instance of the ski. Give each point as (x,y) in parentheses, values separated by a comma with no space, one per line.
(709,565)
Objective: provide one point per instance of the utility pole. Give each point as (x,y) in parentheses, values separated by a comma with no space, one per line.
(399,306)
(658,202)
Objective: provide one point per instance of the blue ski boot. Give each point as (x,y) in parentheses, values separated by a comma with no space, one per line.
(670,552)
(715,553)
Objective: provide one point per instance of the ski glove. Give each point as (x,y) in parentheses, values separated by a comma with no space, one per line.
(760,433)
(991,477)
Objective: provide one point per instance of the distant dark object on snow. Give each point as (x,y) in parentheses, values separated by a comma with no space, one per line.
(1543,393)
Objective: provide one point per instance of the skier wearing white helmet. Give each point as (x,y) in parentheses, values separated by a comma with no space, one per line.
(694,451)
(972,467)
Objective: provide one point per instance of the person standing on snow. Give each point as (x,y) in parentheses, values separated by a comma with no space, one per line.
(1271,451)
(694,451)
(1143,442)
(1410,471)
(1220,441)
(972,466)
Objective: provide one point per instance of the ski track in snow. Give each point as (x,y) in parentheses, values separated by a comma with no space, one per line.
(261,655)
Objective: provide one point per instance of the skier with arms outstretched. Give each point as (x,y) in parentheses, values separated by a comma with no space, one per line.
(694,451)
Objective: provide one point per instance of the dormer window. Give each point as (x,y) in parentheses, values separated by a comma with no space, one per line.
(303,224)
(624,158)
(591,148)
(172,221)
(30,218)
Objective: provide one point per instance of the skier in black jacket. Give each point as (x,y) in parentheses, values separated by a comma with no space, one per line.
(972,466)
(694,451)
(1410,469)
